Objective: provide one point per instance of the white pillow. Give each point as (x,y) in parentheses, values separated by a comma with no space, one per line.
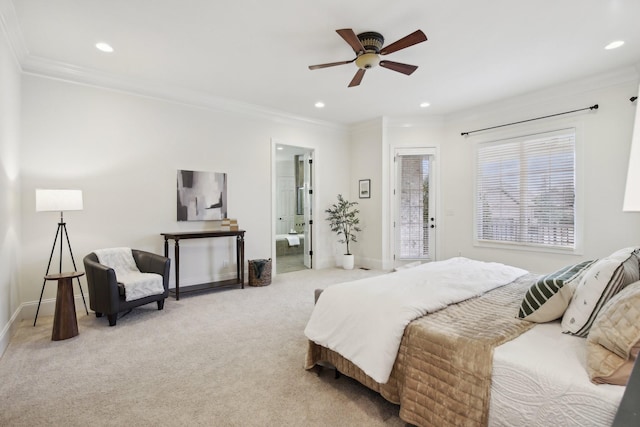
(598,285)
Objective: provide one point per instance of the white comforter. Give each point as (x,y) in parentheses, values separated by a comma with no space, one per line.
(364,320)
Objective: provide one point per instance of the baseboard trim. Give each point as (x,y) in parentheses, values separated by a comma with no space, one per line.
(10,329)
(48,307)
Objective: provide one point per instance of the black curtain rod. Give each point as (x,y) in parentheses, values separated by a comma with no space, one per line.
(593,107)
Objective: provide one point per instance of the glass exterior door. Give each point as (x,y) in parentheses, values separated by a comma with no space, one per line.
(415,222)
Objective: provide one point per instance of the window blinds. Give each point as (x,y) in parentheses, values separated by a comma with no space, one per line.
(525,189)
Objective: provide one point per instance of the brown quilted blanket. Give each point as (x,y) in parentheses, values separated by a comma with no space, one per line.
(442,374)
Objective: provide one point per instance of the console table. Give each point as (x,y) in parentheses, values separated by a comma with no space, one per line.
(239,280)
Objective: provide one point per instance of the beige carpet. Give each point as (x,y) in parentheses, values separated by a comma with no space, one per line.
(226,358)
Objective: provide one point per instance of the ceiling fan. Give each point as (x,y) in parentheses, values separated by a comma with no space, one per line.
(368,48)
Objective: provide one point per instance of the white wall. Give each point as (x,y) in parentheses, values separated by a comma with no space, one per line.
(124,150)
(10,81)
(603,143)
(367,163)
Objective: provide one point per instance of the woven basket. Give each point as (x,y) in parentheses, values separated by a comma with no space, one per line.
(265,276)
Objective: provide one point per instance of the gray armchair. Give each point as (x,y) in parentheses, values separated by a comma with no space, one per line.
(106,297)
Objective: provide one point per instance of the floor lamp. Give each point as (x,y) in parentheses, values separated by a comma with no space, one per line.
(627,414)
(632,191)
(59,201)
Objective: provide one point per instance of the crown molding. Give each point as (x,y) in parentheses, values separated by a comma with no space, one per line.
(10,27)
(67,72)
(416,121)
(367,125)
(44,67)
(619,76)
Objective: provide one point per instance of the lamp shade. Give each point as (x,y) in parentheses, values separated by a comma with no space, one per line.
(58,200)
(632,191)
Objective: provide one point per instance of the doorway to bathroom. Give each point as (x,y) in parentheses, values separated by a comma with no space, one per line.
(293,208)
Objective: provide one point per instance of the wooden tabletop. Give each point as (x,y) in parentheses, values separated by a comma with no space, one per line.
(66,275)
(202,234)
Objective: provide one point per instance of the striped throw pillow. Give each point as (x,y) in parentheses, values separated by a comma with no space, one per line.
(599,284)
(549,297)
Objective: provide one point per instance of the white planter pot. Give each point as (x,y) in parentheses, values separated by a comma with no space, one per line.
(348,261)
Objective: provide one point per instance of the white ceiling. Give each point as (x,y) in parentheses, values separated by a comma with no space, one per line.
(256,52)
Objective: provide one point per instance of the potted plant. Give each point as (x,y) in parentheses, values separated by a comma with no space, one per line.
(343,219)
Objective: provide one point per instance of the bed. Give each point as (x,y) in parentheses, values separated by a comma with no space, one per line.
(477,363)
(289,244)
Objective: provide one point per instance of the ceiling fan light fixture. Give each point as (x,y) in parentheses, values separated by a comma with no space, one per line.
(371,41)
(368,47)
(367,60)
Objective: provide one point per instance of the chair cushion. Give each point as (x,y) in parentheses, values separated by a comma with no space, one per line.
(140,285)
(132,283)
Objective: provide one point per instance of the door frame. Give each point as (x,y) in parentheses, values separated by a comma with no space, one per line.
(309,228)
(308,207)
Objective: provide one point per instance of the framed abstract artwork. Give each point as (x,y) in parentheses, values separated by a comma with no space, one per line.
(202,196)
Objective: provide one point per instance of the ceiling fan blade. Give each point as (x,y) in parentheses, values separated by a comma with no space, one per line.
(350,37)
(399,67)
(413,38)
(330,64)
(357,78)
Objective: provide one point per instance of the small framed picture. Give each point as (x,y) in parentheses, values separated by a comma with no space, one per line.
(365,189)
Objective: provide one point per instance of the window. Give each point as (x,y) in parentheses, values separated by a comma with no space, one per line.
(525,190)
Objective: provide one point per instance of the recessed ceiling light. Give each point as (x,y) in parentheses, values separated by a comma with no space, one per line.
(424,104)
(280,148)
(319,104)
(104,47)
(614,45)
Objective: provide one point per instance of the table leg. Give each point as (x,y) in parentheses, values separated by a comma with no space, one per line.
(65,323)
(177,254)
(241,259)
